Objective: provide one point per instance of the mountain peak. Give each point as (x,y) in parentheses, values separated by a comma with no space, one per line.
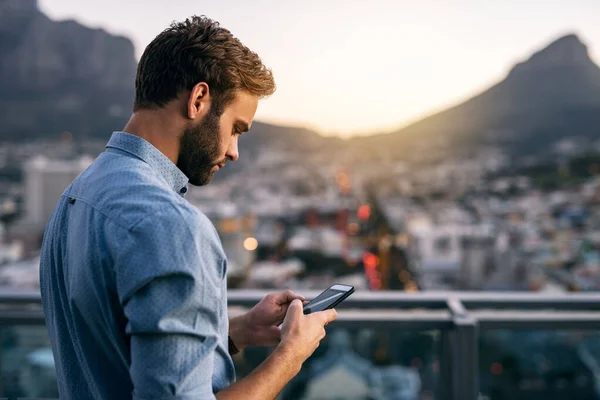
(567,51)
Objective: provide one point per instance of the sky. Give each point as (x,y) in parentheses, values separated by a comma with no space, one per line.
(351,67)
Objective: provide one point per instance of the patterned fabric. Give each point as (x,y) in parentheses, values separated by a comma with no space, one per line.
(133,283)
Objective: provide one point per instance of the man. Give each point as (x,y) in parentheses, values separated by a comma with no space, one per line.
(133,278)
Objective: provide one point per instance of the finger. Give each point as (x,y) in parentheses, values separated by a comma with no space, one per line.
(294,311)
(327,316)
(287,297)
(284,308)
(275,332)
(304,302)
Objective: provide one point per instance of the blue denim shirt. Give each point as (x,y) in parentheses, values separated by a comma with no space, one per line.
(133,283)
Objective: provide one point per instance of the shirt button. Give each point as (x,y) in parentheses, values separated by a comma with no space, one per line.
(183,190)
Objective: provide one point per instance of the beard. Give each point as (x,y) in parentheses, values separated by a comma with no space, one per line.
(200,150)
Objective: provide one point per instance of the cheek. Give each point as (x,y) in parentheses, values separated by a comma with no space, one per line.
(225,139)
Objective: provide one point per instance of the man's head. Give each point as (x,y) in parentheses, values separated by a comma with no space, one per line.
(212,82)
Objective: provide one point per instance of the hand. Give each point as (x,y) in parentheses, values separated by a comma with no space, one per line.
(258,327)
(301,334)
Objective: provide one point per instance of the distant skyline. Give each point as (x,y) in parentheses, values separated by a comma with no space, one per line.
(357,67)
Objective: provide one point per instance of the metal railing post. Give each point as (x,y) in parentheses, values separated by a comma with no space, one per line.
(465,357)
(444,387)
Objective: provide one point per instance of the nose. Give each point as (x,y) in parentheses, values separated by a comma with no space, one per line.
(232,150)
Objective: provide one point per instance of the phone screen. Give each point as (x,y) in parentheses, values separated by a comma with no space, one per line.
(329,297)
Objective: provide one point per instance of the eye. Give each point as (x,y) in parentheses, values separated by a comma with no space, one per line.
(236,132)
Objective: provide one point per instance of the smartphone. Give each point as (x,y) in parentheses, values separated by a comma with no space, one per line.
(330,298)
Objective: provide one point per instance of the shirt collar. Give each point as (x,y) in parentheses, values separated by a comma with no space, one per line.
(142,149)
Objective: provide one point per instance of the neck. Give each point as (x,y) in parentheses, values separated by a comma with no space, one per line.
(159,128)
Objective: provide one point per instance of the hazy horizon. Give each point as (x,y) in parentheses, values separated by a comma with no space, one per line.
(356,67)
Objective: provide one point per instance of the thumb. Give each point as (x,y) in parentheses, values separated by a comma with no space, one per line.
(294,310)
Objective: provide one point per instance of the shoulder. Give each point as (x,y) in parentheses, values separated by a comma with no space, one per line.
(128,191)
(178,219)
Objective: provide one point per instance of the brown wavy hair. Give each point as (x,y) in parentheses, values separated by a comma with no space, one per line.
(199,50)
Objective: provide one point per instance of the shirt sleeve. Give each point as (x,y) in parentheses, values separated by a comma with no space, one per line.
(168,281)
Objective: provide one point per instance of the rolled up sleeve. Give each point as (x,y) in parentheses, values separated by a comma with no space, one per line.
(168,284)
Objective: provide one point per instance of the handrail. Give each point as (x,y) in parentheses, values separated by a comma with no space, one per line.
(390,299)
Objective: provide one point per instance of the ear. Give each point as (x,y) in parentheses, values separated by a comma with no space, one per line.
(199,101)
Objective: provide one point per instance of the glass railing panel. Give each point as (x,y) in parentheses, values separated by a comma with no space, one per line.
(539,364)
(26,363)
(367,363)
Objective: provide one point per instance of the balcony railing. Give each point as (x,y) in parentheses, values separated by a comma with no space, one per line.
(459,318)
